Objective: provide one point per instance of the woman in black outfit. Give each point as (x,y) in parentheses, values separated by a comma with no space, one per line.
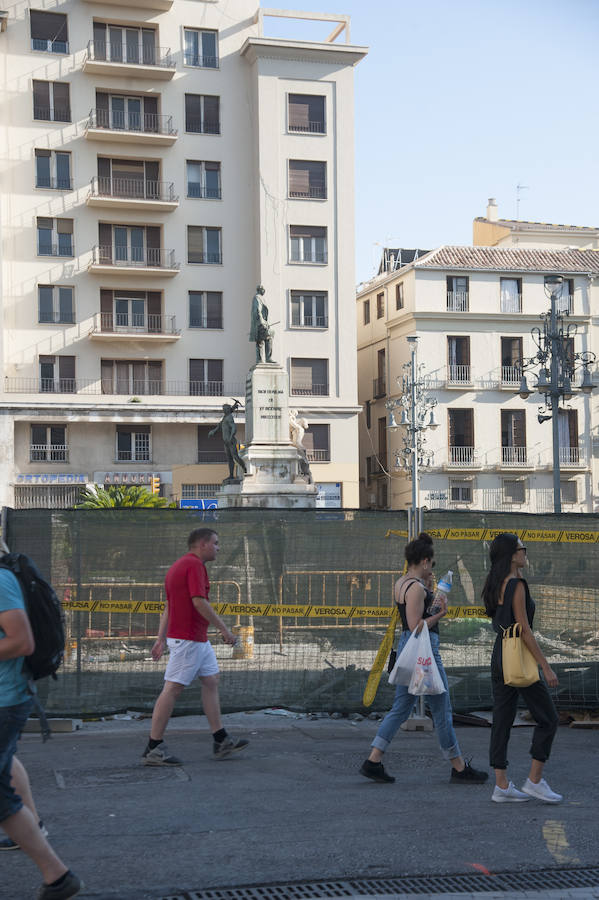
(507,600)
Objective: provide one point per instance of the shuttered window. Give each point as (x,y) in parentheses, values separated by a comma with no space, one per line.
(206,377)
(309,377)
(307,113)
(51,101)
(49,31)
(307,179)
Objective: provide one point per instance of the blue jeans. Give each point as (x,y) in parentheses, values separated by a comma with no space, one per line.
(12,722)
(439,705)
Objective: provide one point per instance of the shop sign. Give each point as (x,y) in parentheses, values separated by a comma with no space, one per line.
(196,503)
(51,478)
(132,477)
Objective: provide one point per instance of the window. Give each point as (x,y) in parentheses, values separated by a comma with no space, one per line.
(133,443)
(569,358)
(399,301)
(514,491)
(205,309)
(511,360)
(206,377)
(48,444)
(131,245)
(307,180)
(199,491)
(306,112)
(204,245)
(569,491)
(565,302)
(128,44)
(461,437)
(317,443)
(122,112)
(569,451)
(307,244)
(53,170)
(458,359)
(382,434)
(210,449)
(457,293)
(310,377)
(460,491)
(134,377)
(51,101)
(202,114)
(133,312)
(513,437)
(55,304)
(54,237)
(309,310)
(201,48)
(49,31)
(203,179)
(379,387)
(134,178)
(57,374)
(380,305)
(366,311)
(511,295)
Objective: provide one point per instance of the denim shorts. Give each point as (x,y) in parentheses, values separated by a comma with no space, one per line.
(12,722)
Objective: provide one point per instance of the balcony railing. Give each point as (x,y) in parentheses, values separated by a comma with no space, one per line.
(142,257)
(457,301)
(115,120)
(565,304)
(315,257)
(57,386)
(56,317)
(312,127)
(511,304)
(131,387)
(211,457)
(198,191)
(53,182)
(511,374)
(50,248)
(199,61)
(134,323)
(197,125)
(462,456)
(48,453)
(133,456)
(206,323)
(379,387)
(133,189)
(514,456)
(571,456)
(312,193)
(458,374)
(310,322)
(206,388)
(310,390)
(52,114)
(318,455)
(131,53)
(49,46)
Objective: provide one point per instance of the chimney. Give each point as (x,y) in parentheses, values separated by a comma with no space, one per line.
(492,209)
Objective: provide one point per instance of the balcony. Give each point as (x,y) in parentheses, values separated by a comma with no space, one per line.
(160,5)
(571,457)
(311,322)
(141,387)
(127,60)
(514,457)
(307,128)
(147,129)
(317,456)
(511,376)
(116,326)
(379,387)
(211,457)
(153,262)
(311,193)
(310,390)
(462,457)
(48,453)
(458,301)
(206,389)
(132,193)
(458,376)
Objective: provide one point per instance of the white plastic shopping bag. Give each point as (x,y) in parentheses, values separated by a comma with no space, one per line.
(401,672)
(425,674)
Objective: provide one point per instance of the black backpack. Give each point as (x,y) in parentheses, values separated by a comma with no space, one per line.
(45,616)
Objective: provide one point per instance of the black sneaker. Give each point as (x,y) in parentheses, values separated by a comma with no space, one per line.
(8,844)
(228,746)
(68,887)
(376,772)
(160,756)
(468,775)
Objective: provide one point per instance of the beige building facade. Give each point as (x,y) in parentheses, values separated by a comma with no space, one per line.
(472,309)
(160,160)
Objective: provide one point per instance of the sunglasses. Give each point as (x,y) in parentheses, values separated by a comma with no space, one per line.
(521,548)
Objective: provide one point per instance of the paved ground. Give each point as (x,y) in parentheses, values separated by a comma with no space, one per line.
(292,808)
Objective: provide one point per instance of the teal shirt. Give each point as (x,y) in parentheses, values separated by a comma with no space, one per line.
(13,683)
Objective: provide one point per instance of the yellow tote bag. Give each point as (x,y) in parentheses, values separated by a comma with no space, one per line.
(520,668)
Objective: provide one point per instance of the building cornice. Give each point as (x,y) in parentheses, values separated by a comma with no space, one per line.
(256,48)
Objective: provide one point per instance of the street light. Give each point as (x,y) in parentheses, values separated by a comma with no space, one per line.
(417,414)
(556,366)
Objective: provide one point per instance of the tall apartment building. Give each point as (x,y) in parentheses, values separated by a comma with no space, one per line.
(473,309)
(160,158)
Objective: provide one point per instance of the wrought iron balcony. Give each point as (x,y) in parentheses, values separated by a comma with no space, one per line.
(458,301)
(514,456)
(318,455)
(309,127)
(309,390)
(134,324)
(52,114)
(133,189)
(136,257)
(123,121)
(571,456)
(511,375)
(48,453)
(312,193)
(462,457)
(458,374)
(130,53)
(122,387)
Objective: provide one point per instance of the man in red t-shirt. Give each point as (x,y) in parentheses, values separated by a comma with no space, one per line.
(184,629)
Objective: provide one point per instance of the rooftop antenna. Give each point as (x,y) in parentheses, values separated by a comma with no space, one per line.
(519,189)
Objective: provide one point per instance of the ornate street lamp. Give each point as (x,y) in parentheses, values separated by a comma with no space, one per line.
(554,365)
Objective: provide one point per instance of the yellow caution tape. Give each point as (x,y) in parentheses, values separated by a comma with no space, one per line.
(525,534)
(380,660)
(293,610)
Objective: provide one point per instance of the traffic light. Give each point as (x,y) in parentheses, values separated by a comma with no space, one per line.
(155,484)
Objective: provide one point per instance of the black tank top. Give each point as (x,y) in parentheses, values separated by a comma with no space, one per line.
(428,599)
(504,617)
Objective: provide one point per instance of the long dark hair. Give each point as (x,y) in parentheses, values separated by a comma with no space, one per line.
(502,549)
(420,548)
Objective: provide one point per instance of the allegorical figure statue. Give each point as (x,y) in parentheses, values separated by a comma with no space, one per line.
(297,429)
(228,430)
(260,331)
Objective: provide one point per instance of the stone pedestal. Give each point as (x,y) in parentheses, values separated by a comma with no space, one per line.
(274,476)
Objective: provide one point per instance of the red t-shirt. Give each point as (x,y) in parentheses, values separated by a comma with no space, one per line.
(185,579)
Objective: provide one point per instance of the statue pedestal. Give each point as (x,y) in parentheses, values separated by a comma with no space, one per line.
(274,476)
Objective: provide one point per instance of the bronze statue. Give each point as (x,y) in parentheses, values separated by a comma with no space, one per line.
(260,331)
(228,430)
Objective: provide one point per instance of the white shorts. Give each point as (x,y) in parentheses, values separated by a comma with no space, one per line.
(189,660)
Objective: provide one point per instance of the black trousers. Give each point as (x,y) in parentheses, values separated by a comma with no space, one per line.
(505,705)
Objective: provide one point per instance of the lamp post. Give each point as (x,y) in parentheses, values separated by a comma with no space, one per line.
(417,414)
(556,366)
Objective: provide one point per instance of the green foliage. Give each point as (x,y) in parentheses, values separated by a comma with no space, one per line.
(120,496)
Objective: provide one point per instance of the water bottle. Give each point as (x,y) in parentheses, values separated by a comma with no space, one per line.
(443,589)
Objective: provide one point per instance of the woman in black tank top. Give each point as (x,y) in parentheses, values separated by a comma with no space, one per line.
(413,597)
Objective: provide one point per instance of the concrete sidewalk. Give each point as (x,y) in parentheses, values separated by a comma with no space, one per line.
(292,807)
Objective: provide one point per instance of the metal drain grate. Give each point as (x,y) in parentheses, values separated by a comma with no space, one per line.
(542,880)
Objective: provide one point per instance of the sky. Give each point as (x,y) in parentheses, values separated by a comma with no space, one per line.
(459,101)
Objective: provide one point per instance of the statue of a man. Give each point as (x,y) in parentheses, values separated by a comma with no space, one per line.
(228,430)
(260,331)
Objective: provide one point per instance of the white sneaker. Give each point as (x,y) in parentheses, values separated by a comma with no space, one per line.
(510,794)
(541,791)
